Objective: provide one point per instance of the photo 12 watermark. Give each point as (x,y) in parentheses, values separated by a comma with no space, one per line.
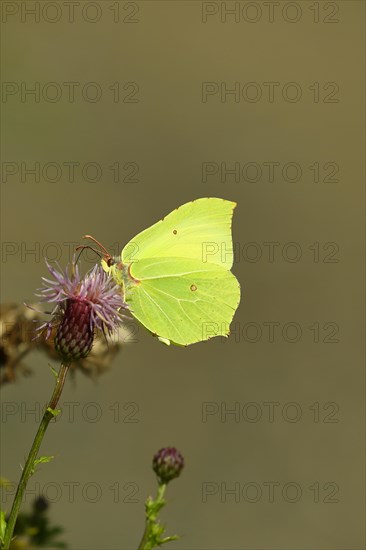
(70,171)
(269,171)
(253,412)
(290,252)
(37,251)
(73,412)
(76,492)
(216,92)
(69,92)
(254,492)
(59,11)
(270,12)
(276,332)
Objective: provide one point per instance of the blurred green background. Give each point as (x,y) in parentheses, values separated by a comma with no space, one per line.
(149,62)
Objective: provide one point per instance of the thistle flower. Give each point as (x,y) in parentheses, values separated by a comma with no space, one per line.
(17,340)
(83,305)
(168,464)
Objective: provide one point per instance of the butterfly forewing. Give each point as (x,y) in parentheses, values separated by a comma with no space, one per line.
(199,230)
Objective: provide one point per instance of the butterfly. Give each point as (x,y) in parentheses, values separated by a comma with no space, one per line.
(175,276)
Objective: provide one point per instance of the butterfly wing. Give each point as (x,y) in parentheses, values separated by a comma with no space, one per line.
(199,230)
(176,276)
(183,300)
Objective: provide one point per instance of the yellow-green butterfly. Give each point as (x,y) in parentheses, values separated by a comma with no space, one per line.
(175,276)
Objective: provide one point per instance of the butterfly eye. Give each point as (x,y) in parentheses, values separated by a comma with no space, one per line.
(110,262)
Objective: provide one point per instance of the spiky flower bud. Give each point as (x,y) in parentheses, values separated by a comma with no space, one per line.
(168,464)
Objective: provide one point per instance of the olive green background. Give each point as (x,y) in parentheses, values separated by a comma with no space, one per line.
(169,132)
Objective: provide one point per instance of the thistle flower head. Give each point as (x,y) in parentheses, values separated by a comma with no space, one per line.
(83,305)
(168,464)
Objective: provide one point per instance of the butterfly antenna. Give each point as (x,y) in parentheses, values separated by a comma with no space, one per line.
(99,244)
(82,247)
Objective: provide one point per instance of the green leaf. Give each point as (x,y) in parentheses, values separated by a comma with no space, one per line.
(43,459)
(54,371)
(2,525)
(169,539)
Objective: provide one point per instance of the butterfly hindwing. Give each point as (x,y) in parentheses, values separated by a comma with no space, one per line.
(182,301)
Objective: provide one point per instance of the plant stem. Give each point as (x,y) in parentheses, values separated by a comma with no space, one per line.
(151,517)
(145,537)
(29,465)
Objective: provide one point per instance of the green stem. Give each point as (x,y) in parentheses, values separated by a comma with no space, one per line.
(29,465)
(145,537)
(151,517)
